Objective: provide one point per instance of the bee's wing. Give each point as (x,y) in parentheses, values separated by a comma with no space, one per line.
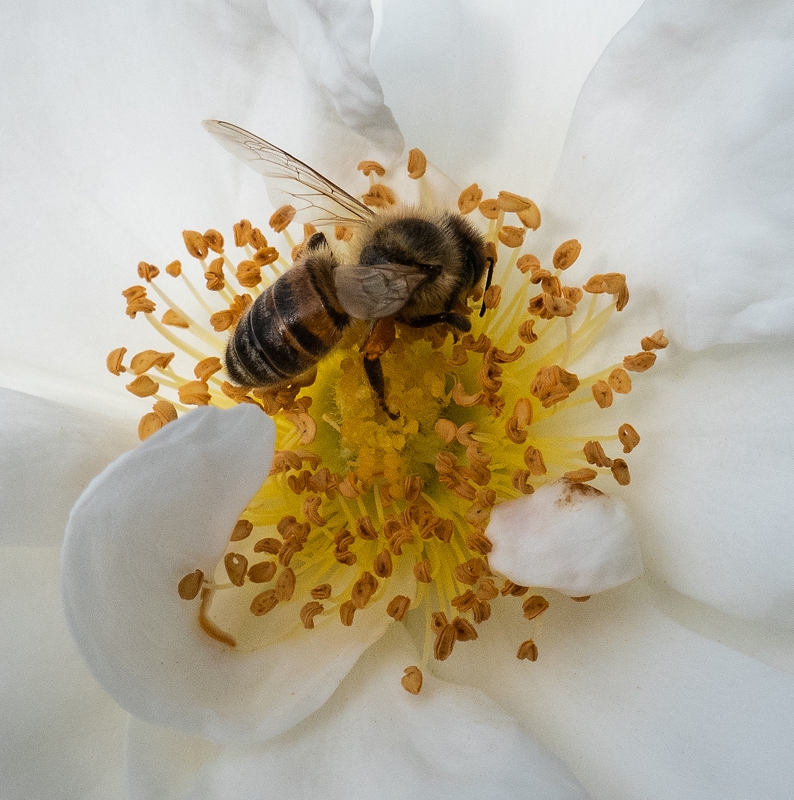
(373,291)
(319,200)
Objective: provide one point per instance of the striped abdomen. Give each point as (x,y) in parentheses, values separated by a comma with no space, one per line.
(290,326)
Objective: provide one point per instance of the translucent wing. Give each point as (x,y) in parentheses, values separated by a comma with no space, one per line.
(373,291)
(317,199)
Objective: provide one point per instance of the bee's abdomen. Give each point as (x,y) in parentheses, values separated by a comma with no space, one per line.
(289,328)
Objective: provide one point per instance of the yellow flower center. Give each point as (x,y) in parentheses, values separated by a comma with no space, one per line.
(361,508)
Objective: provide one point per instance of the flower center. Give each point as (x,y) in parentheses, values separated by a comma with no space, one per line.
(366,511)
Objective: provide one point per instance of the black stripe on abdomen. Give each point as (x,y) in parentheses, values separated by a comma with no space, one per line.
(287,330)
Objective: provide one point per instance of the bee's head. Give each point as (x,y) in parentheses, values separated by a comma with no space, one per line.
(438,244)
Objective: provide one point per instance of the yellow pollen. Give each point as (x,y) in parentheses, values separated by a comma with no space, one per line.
(388,514)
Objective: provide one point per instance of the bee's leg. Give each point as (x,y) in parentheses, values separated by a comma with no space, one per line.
(488,279)
(374,370)
(458,321)
(379,338)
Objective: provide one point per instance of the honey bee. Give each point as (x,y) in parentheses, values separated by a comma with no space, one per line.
(409,265)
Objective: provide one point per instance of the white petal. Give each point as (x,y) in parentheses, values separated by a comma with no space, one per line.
(156,514)
(679,168)
(48,454)
(332,39)
(487,91)
(447,742)
(640,706)
(162,763)
(62,735)
(711,478)
(566,536)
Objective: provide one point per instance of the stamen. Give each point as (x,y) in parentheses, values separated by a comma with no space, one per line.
(475,419)
(278,222)
(469,199)
(566,254)
(629,438)
(412,681)
(534,606)
(114,360)
(190,585)
(528,650)
(368,167)
(417,163)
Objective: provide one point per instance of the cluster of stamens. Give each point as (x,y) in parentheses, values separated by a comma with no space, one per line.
(362,511)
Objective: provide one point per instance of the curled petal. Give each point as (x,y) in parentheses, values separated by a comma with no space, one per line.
(154,515)
(566,536)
